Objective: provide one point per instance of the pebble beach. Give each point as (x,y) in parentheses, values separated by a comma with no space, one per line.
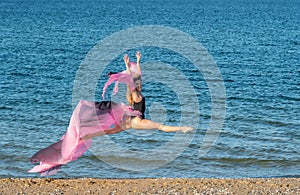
(149,186)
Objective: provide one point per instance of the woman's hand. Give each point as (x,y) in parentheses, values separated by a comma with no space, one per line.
(126,59)
(138,56)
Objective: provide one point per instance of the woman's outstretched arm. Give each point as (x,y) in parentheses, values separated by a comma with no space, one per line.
(138,59)
(126,61)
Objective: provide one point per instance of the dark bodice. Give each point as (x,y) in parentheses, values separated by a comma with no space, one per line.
(141,107)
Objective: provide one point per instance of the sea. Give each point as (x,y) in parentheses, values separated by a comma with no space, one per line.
(228,68)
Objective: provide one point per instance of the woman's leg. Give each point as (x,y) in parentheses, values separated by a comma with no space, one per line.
(114,130)
(122,126)
(146,124)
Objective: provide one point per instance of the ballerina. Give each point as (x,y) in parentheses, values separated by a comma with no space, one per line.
(137,101)
(91,119)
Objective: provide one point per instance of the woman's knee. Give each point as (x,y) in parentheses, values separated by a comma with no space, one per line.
(135,122)
(145,124)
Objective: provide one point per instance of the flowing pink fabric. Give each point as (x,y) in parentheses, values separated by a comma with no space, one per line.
(87,118)
(123,77)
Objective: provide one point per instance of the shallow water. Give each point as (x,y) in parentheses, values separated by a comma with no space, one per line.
(255,45)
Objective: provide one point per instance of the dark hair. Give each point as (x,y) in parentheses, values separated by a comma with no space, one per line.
(136,78)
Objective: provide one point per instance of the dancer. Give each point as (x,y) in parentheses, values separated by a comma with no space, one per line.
(91,119)
(137,101)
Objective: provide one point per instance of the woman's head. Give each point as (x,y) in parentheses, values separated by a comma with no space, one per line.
(138,87)
(138,83)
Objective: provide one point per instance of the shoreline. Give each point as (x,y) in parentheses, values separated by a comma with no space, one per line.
(150,186)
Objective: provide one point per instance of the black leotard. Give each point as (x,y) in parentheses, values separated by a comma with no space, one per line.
(140,106)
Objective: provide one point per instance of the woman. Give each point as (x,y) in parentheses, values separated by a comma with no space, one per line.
(137,102)
(91,119)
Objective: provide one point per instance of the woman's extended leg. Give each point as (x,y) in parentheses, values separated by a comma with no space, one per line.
(146,124)
(114,130)
(138,123)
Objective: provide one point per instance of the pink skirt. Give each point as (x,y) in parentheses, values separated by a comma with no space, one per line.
(87,118)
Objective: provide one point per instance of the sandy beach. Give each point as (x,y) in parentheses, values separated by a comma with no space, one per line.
(149,186)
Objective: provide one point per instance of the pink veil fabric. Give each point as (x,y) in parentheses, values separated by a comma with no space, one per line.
(123,77)
(87,118)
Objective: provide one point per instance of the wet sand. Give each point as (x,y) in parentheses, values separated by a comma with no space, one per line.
(149,186)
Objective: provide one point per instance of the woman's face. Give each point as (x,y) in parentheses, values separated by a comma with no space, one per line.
(138,85)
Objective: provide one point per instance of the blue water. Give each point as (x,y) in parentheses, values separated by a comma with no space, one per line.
(255,44)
